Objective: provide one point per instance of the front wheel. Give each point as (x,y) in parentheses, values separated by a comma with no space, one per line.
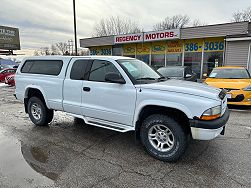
(38,112)
(163,137)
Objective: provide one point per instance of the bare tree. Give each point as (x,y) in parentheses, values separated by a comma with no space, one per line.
(240,16)
(197,23)
(173,22)
(54,50)
(36,53)
(62,47)
(83,51)
(115,26)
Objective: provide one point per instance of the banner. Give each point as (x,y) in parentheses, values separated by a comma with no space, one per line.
(143,48)
(129,49)
(158,47)
(175,46)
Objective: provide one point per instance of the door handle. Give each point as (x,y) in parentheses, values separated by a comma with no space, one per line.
(87,89)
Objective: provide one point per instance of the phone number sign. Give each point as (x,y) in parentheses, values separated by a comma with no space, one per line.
(210,45)
(104,50)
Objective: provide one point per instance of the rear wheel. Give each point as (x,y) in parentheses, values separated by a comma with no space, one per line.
(38,112)
(163,137)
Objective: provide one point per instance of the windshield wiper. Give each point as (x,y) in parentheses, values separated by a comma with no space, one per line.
(163,78)
(146,78)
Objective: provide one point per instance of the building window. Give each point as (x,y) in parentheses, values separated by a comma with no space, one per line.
(193,60)
(210,61)
(157,61)
(144,58)
(117,50)
(143,52)
(174,59)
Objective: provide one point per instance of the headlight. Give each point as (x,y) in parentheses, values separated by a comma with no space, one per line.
(211,113)
(247,88)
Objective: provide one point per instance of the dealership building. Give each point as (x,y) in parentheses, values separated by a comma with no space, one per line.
(202,48)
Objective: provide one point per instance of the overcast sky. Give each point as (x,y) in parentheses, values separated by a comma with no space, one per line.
(43,22)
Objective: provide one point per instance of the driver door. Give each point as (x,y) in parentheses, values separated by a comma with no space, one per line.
(105,101)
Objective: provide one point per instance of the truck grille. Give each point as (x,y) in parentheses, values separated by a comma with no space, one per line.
(222,94)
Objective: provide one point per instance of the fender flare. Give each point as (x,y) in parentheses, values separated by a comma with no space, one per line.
(38,88)
(160,103)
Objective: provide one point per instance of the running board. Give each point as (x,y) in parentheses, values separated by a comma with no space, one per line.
(105,124)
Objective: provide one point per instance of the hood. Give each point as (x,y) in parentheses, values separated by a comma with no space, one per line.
(229,83)
(180,86)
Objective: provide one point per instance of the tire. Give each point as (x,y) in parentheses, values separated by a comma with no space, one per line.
(163,137)
(38,112)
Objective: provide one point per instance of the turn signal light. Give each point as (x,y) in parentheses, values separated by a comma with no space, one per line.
(212,117)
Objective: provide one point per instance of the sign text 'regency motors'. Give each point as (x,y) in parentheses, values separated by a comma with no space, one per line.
(148,36)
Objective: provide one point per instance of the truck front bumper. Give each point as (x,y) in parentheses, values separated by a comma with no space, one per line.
(208,130)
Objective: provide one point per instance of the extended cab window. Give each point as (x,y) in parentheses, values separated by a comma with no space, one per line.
(48,67)
(78,69)
(100,68)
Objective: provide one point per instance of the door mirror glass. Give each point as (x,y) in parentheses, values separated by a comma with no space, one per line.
(188,75)
(114,78)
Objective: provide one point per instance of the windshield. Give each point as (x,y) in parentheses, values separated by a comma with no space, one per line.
(230,74)
(171,72)
(138,69)
(2,71)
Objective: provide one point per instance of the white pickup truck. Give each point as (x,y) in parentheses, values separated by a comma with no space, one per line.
(122,94)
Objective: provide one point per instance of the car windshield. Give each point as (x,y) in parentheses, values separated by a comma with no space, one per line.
(2,70)
(230,73)
(139,70)
(171,71)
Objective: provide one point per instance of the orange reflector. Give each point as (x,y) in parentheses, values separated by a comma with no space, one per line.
(212,117)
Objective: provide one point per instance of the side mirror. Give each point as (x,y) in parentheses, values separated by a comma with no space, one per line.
(114,78)
(205,75)
(188,76)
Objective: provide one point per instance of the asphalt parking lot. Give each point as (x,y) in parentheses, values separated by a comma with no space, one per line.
(67,154)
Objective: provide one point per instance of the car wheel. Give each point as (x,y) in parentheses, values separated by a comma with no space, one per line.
(38,112)
(163,137)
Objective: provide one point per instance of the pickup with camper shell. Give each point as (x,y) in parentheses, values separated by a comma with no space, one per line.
(122,94)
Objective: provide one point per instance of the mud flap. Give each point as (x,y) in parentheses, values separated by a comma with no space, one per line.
(223,131)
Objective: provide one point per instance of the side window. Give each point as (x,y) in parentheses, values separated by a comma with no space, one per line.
(99,69)
(188,71)
(47,67)
(26,67)
(78,69)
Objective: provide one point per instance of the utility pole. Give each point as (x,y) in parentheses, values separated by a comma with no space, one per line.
(75,28)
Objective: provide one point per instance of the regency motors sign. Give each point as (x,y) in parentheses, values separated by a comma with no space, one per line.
(9,38)
(148,36)
(130,38)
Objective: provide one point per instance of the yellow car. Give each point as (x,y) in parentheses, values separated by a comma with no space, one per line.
(235,80)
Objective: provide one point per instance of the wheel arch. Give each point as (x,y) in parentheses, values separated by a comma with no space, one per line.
(174,112)
(31,91)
